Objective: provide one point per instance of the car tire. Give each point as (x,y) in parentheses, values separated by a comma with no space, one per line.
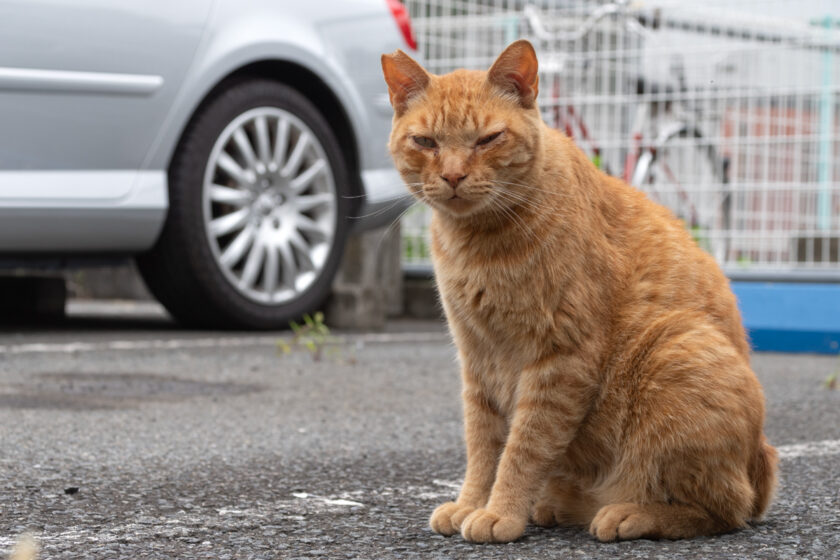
(257,218)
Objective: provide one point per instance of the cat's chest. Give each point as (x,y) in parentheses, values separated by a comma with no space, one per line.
(500,306)
(485,296)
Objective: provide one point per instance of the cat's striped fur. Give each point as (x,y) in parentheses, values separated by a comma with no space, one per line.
(606,375)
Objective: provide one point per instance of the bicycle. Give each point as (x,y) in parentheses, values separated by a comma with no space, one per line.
(668,155)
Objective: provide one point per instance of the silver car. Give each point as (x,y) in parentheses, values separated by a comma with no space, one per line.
(229,145)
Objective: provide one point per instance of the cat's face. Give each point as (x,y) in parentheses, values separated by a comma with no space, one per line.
(464,142)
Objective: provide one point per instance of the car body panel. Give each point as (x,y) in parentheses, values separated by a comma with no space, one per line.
(83,224)
(68,93)
(91,76)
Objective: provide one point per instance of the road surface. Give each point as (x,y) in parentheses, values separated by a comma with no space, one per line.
(124,437)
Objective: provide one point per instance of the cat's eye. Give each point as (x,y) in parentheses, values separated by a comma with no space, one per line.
(487,139)
(424,142)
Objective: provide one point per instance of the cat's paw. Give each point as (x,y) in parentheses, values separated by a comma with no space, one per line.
(485,526)
(543,515)
(622,522)
(447,518)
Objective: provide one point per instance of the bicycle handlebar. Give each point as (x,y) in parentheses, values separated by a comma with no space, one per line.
(535,21)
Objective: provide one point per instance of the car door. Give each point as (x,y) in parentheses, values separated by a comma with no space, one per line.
(85,86)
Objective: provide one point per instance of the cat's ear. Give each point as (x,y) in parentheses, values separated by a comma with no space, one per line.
(515,71)
(405,79)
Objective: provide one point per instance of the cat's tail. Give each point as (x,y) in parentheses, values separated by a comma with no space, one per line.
(763,476)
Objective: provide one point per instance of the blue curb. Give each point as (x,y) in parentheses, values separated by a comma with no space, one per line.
(783,317)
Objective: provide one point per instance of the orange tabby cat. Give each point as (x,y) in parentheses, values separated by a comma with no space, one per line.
(606,376)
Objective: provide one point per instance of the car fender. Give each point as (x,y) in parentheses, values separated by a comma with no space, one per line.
(235,39)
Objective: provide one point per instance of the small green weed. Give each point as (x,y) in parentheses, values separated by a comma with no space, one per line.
(831,380)
(314,337)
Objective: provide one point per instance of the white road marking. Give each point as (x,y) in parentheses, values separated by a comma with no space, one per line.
(304,502)
(219,342)
(327,501)
(342,502)
(810,449)
(237,512)
(308,504)
(448,489)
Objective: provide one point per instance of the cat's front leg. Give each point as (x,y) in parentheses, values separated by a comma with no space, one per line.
(552,398)
(485,434)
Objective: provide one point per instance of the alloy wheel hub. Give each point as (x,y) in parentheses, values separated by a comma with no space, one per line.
(269,205)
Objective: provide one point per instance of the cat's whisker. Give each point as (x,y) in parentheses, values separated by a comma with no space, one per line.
(503,214)
(527,186)
(394,224)
(355,196)
(379,211)
(522,226)
(390,229)
(511,216)
(534,203)
(522,201)
(528,204)
(538,189)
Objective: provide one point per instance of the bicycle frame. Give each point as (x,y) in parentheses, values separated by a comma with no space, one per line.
(566,118)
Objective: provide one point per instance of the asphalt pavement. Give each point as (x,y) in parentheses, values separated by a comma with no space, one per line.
(125,437)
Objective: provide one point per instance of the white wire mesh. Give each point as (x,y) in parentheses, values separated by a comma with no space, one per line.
(725,111)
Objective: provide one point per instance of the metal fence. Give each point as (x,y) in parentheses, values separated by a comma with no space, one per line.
(726,111)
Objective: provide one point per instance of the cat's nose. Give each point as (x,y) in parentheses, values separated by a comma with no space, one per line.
(453,179)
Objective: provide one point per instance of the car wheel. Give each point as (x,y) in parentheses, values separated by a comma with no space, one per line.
(257,212)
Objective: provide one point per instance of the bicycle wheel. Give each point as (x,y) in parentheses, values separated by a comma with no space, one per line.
(684,173)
